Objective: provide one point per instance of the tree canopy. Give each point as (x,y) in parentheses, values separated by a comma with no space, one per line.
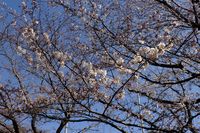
(131,64)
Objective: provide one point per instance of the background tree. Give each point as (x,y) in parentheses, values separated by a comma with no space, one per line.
(132,65)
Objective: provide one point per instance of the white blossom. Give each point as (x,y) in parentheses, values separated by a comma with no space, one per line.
(57,54)
(104,80)
(145,65)
(144,50)
(84,64)
(46,37)
(136,59)
(102,72)
(23,4)
(36,22)
(61,74)
(124,70)
(161,45)
(38,54)
(141,41)
(99,6)
(92,72)
(169,46)
(92,81)
(21,50)
(135,77)
(61,56)
(120,61)
(121,95)
(30,60)
(161,52)
(117,80)
(94,5)
(29,34)
(147,113)
(153,53)
(62,63)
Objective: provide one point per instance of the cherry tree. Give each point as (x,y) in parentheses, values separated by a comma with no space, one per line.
(130,64)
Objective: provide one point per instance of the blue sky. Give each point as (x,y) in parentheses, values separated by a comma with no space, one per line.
(12,3)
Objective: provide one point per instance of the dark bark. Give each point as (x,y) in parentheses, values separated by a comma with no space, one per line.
(33,125)
(15,126)
(61,126)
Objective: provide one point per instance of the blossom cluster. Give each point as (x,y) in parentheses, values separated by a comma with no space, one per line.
(152,53)
(61,57)
(20,50)
(46,38)
(29,34)
(94,74)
